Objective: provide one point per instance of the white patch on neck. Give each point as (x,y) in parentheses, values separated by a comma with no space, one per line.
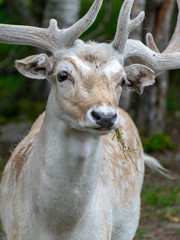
(83,145)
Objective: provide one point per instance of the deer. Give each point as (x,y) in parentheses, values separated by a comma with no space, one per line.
(69,179)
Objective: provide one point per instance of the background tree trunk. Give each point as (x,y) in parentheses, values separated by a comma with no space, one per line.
(139,5)
(149,110)
(152,104)
(66,12)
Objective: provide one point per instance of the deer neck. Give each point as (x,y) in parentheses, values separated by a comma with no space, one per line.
(68,163)
(70,153)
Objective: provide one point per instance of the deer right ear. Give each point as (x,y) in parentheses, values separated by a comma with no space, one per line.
(138,77)
(36,66)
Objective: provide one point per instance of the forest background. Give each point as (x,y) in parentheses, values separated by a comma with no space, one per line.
(156,112)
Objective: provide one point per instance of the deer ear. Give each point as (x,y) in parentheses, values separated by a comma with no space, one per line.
(138,77)
(36,66)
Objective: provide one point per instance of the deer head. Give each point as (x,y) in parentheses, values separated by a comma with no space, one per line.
(87,78)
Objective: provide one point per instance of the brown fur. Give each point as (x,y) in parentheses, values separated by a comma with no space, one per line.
(19,157)
(116,161)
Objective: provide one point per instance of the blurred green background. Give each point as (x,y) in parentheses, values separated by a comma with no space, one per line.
(22,100)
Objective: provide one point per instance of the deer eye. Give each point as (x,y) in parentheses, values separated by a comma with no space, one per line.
(123,81)
(62,76)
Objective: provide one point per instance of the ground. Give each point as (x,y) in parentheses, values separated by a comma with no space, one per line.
(160,213)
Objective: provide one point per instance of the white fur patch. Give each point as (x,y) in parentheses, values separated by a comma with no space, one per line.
(112,68)
(85,67)
(64,66)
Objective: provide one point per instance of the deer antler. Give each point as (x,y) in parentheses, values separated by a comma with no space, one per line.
(151,43)
(150,56)
(125,26)
(51,38)
(174,44)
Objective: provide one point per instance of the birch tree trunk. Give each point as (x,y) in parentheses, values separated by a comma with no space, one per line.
(152,104)
(66,12)
(149,110)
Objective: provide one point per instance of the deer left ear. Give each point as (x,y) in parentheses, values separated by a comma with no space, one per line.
(36,66)
(138,77)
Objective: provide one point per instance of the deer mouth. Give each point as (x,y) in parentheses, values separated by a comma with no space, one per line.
(103,128)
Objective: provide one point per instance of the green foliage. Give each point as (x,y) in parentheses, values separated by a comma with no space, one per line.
(2,15)
(126,149)
(161,200)
(143,234)
(30,3)
(160,195)
(16,110)
(160,206)
(158,142)
(10,111)
(1,228)
(4,50)
(23,109)
(110,29)
(172,102)
(31,110)
(9,84)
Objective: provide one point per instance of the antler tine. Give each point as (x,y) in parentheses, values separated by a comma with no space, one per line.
(125,25)
(174,44)
(137,52)
(76,30)
(150,56)
(32,36)
(51,38)
(151,43)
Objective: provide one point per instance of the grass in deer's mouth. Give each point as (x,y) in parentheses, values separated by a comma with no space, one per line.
(124,148)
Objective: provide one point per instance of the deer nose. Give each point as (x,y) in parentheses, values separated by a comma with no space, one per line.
(104,120)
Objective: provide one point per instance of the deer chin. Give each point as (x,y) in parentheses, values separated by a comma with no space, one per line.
(96,130)
(100,131)
(88,125)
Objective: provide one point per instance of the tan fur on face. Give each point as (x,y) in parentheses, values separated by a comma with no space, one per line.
(94,82)
(93,91)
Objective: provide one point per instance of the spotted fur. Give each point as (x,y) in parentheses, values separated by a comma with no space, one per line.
(68,178)
(120,179)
